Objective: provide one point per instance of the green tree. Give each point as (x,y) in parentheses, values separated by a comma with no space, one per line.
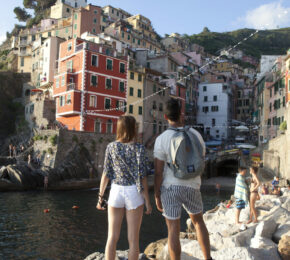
(21,14)
(29,4)
(205,30)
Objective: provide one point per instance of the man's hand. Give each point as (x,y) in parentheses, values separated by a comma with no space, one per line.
(158,203)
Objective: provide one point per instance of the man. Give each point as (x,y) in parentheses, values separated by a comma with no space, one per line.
(172,193)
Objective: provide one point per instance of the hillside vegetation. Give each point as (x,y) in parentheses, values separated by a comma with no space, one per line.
(267,42)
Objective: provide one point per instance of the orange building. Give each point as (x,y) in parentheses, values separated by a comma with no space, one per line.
(90,86)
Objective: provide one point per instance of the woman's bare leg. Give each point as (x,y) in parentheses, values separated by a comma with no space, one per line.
(115,218)
(134,220)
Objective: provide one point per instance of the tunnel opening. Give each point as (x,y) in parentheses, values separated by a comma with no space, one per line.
(227,168)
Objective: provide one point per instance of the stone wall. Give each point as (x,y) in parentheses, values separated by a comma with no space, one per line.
(95,143)
(277,156)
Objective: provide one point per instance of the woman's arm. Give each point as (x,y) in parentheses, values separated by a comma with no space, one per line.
(103,186)
(257,181)
(145,194)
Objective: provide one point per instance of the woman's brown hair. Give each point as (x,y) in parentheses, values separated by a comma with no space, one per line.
(126,129)
(255,169)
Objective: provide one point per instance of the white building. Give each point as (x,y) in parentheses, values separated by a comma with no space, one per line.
(266,63)
(215,109)
(74,3)
(45,54)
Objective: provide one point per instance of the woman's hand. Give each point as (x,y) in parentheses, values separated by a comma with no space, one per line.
(158,203)
(148,208)
(99,205)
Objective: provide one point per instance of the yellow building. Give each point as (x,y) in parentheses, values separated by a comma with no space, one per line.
(135,94)
(125,32)
(142,24)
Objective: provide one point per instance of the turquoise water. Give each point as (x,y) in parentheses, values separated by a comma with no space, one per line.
(26,232)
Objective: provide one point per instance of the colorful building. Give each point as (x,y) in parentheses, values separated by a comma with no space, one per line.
(287,76)
(135,93)
(90,87)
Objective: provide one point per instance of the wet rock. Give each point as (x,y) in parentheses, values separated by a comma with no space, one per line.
(154,249)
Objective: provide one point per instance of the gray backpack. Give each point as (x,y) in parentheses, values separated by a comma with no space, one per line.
(186,154)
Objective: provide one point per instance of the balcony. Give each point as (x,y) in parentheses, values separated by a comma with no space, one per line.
(71,86)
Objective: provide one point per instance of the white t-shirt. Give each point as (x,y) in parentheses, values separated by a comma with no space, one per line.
(161,149)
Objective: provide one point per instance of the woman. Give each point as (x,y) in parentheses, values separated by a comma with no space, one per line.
(255,183)
(126,166)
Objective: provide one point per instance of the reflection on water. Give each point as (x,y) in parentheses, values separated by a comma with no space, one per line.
(26,232)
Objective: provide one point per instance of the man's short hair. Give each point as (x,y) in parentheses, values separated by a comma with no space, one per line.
(242,168)
(173,110)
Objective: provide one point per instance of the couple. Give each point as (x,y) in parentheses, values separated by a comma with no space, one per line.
(126,165)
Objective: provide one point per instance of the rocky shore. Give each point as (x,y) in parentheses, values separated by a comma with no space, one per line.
(268,240)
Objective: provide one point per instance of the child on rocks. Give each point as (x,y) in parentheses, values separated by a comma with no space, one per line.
(241,192)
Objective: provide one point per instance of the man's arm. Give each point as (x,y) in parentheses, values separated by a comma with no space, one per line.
(159,167)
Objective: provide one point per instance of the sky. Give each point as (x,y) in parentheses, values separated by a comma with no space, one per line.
(188,16)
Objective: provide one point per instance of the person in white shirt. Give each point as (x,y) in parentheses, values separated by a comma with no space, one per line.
(171,193)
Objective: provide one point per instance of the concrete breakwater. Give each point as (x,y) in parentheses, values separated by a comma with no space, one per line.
(268,239)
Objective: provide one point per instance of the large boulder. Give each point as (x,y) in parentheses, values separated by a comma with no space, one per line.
(284,247)
(120,255)
(282,229)
(154,249)
(266,228)
(286,204)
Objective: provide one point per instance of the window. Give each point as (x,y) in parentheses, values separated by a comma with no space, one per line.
(123,34)
(214,108)
(67,10)
(270,107)
(94,60)
(69,66)
(107,103)
(22,62)
(129,37)
(109,64)
(94,80)
(49,34)
(75,26)
(95,20)
(131,91)
(204,88)
(122,68)
(154,88)
(132,75)
(61,101)
(57,83)
(284,101)
(270,92)
(109,126)
(94,30)
(269,122)
(120,104)
(76,5)
(139,42)
(161,107)
(139,93)
(205,98)
(154,106)
(140,110)
(68,99)
(139,77)
(213,122)
(33,38)
(131,109)
(205,109)
(121,86)
(93,101)
(108,83)
(98,127)
(95,12)
(62,80)
(214,98)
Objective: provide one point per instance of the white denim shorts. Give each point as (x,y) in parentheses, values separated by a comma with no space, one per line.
(125,197)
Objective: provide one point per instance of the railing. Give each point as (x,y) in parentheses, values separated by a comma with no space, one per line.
(71,86)
(79,47)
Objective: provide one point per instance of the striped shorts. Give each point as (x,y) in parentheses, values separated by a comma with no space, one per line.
(175,197)
(240,204)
